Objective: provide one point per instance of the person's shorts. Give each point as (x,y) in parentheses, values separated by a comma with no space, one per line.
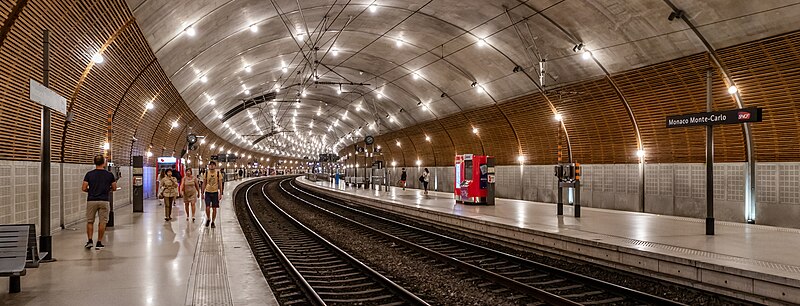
(212,199)
(97,208)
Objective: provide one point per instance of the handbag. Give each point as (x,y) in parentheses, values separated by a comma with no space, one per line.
(160,192)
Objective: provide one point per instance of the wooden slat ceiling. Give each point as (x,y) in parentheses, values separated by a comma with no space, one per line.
(123,84)
(767,73)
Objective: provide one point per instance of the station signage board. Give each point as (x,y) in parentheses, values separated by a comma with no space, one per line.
(47,97)
(167,160)
(733,116)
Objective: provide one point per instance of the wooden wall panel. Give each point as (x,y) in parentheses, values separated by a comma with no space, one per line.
(495,133)
(460,129)
(598,125)
(423,153)
(673,88)
(768,75)
(536,128)
(5,9)
(440,146)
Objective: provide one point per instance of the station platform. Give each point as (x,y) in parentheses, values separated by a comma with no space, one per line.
(752,262)
(149,261)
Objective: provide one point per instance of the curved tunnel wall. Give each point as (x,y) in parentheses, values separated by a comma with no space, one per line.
(123,84)
(600,130)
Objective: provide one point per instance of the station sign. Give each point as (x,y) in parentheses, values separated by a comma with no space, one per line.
(733,116)
(47,97)
(167,160)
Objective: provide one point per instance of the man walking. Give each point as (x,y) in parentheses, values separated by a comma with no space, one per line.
(212,192)
(98,183)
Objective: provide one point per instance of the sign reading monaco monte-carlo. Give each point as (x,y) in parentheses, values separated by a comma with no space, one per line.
(733,116)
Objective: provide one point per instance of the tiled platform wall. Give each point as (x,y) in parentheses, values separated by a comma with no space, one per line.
(670,189)
(20,189)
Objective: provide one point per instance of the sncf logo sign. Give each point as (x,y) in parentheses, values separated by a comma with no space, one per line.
(744,116)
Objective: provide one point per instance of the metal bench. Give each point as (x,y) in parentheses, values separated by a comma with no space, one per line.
(8,252)
(14,242)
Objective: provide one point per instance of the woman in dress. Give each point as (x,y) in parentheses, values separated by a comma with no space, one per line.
(190,190)
(169,191)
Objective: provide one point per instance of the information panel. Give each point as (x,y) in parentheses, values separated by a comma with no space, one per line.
(733,116)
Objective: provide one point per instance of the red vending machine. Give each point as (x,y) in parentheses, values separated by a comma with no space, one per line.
(474,179)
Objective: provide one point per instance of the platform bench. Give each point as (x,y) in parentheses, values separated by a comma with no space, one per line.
(13,253)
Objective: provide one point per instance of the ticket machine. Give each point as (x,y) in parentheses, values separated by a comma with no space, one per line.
(474,179)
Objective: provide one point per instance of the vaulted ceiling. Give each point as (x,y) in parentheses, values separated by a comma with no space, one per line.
(373,67)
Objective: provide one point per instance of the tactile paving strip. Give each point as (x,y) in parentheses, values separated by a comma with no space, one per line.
(211,287)
(741,260)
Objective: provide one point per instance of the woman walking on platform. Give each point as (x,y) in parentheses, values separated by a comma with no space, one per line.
(425,179)
(190,190)
(169,191)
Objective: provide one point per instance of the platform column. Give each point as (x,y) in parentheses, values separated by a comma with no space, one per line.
(45,240)
(709,160)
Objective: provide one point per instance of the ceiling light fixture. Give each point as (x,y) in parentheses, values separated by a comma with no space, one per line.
(586,55)
(98,58)
(149,105)
(284,69)
(248,68)
(559,118)
(253,28)
(677,14)
(203,79)
(373,8)
(733,89)
(190,31)
(482,42)
(473,84)
(474,130)
(175,123)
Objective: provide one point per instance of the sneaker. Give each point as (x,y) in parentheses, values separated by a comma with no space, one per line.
(208,222)
(213,225)
(99,246)
(89,244)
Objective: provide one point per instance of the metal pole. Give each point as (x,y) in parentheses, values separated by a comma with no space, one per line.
(577,205)
(45,240)
(709,161)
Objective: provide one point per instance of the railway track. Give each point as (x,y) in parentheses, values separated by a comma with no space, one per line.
(305,269)
(530,282)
